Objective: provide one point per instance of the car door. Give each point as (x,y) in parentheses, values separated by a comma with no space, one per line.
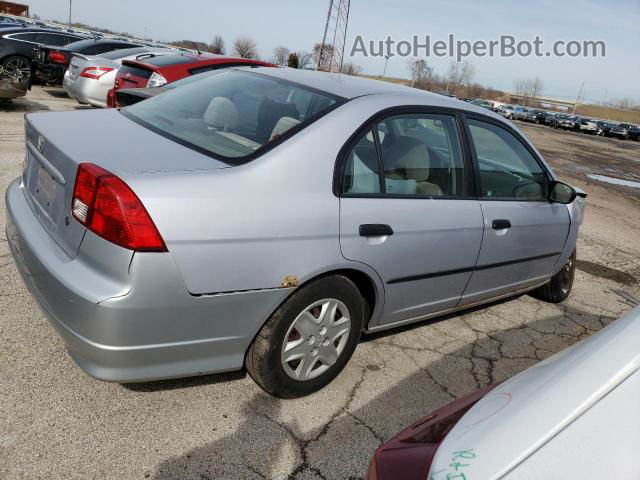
(405,210)
(524,233)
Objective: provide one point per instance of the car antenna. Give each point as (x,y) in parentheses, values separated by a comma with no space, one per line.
(197,49)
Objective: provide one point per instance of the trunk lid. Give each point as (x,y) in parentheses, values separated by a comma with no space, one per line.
(57,142)
(79,62)
(132,75)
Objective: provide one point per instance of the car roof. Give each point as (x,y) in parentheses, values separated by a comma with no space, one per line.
(18,28)
(348,86)
(529,410)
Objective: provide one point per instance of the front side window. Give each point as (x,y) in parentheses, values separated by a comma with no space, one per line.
(507,169)
(231,115)
(420,155)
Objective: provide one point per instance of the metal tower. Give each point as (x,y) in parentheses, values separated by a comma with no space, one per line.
(331,55)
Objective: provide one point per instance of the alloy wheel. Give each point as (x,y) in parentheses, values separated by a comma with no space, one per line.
(316,339)
(17,66)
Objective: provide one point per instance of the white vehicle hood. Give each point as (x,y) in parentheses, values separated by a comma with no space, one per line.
(519,416)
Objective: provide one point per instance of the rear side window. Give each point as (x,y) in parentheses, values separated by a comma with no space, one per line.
(234,114)
(56,39)
(507,169)
(418,155)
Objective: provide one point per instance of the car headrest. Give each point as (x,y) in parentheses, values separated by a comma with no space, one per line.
(284,124)
(221,114)
(411,156)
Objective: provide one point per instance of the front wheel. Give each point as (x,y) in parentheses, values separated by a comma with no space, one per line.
(309,339)
(559,287)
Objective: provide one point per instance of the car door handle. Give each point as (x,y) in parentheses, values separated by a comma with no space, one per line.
(501,224)
(375,230)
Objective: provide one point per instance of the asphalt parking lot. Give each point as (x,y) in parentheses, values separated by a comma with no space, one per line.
(56,422)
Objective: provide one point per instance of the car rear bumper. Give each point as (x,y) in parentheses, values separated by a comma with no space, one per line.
(86,90)
(145,326)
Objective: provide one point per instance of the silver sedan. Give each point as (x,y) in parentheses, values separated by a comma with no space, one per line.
(266,218)
(89,78)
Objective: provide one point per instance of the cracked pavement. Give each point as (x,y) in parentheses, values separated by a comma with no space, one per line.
(56,422)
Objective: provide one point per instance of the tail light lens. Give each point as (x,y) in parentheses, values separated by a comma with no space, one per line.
(95,72)
(107,206)
(409,454)
(56,57)
(156,80)
(111,95)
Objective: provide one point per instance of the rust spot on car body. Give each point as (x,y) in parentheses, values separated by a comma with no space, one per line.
(289,282)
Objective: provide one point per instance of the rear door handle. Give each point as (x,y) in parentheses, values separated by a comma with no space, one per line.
(375,230)
(501,224)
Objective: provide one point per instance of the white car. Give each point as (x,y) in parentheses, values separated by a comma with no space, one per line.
(573,415)
(89,78)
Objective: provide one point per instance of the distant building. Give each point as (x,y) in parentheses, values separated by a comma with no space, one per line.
(13,8)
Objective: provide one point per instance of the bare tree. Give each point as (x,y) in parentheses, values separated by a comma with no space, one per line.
(217,45)
(459,75)
(536,87)
(280,55)
(245,47)
(304,59)
(350,68)
(422,75)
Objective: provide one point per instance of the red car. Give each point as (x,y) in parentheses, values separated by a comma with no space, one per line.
(160,70)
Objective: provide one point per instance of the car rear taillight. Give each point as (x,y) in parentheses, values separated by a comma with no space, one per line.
(56,57)
(156,80)
(410,453)
(107,206)
(95,72)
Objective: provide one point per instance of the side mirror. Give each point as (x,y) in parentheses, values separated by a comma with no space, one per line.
(561,193)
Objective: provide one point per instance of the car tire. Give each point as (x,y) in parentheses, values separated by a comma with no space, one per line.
(17,62)
(559,287)
(308,326)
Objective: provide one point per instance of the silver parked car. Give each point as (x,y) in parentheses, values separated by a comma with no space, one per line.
(267,217)
(90,77)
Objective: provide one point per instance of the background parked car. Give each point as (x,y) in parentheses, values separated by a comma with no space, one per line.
(622,130)
(17,45)
(574,415)
(482,103)
(587,125)
(519,112)
(159,71)
(604,128)
(529,115)
(50,62)
(89,78)
(506,111)
(565,121)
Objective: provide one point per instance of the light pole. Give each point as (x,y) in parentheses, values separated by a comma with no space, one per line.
(384,72)
(70,12)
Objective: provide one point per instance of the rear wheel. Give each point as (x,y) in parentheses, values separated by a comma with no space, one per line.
(559,287)
(309,339)
(17,66)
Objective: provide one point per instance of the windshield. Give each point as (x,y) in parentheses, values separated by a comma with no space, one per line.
(232,115)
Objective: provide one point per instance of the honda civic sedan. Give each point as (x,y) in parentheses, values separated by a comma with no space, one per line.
(264,219)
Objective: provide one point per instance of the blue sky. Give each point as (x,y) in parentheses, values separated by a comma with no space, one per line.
(298,24)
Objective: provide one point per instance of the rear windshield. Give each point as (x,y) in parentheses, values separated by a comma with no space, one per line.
(125,52)
(234,115)
(134,71)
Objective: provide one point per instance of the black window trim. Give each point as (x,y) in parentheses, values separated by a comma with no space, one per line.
(470,185)
(497,123)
